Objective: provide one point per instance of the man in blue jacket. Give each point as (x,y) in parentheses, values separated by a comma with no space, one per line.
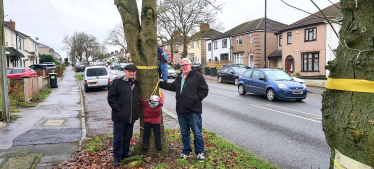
(123,98)
(190,88)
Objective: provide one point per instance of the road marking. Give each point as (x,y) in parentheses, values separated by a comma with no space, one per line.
(294,110)
(286,113)
(218,96)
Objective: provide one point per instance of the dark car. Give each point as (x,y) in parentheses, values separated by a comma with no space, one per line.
(20,72)
(236,65)
(230,74)
(43,66)
(273,83)
(80,68)
(114,65)
(196,66)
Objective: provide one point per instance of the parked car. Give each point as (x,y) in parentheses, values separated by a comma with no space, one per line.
(230,74)
(299,80)
(48,63)
(20,72)
(114,65)
(80,68)
(236,65)
(196,66)
(42,66)
(273,83)
(122,66)
(96,77)
(171,72)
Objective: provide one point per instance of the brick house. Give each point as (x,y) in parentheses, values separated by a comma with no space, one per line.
(304,46)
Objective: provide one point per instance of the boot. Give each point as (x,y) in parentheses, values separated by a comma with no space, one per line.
(116,162)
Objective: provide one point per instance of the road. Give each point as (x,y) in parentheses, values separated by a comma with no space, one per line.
(285,133)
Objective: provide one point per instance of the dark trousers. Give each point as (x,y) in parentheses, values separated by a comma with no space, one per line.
(147,133)
(122,134)
(187,122)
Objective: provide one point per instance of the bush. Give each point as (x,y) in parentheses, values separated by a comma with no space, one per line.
(299,75)
(279,68)
(16,95)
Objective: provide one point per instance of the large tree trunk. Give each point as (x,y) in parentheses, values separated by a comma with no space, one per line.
(142,45)
(348,117)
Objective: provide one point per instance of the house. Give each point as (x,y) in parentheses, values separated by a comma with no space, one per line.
(13,54)
(197,46)
(304,46)
(177,44)
(55,55)
(31,48)
(43,49)
(247,41)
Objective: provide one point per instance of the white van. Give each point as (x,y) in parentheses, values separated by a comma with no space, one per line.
(96,77)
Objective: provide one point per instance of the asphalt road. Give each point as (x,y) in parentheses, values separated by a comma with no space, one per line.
(285,133)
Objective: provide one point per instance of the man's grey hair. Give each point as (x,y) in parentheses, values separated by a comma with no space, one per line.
(186,59)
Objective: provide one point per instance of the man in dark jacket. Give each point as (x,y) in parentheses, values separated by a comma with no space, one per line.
(123,98)
(190,88)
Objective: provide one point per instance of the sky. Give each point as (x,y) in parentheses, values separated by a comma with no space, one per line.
(51,20)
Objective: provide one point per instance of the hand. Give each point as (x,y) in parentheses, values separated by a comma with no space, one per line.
(160,80)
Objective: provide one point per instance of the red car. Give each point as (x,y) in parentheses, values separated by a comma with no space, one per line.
(20,72)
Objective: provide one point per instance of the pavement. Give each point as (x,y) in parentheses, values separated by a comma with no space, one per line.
(48,133)
(311,89)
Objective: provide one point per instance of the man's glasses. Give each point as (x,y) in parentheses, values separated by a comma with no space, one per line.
(184,65)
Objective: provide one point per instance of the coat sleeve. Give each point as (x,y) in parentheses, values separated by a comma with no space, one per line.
(112,98)
(202,88)
(167,86)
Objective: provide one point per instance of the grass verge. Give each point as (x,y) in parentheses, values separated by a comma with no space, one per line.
(80,76)
(219,154)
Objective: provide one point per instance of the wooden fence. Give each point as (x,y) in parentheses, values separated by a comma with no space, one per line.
(31,85)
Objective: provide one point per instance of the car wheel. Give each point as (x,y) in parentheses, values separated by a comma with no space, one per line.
(86,90)
(108,88)
(270,94)
(241,90)
(236,81)
(219,79)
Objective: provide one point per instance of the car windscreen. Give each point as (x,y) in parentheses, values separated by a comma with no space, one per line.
(238,70)
(278,75)
(8,71)
(96,72)
(50,65)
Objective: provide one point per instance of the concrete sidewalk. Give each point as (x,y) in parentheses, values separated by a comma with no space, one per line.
(48,133)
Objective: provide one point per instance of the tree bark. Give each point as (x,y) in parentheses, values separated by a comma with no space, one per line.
(142,45)
(348,117)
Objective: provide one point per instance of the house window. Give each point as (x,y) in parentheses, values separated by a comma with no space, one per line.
(280,40)
(238,58)
(310,62)
(224,43)
(19,44)
(310,34)
(289,38)
(192,57)
(192,45)
(209,46)
(239,40)
(250,38)
(215,44)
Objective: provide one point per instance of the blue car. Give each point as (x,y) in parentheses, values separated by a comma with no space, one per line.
(273,83)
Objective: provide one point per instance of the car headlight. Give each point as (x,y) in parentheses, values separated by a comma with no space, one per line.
(282,86)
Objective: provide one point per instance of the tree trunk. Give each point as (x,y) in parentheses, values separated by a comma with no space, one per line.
(185,41)
(2,90)
(348,117)
(142,45)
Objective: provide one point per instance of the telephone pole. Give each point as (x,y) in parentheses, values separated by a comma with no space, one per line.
(3,79)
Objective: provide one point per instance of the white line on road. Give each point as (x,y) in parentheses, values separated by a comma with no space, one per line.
(218,96)
(286,113)
(294,110)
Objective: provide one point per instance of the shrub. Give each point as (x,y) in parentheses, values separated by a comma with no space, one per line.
(17,95)
(298,74)
(279,68)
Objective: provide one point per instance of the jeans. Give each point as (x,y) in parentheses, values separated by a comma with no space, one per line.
(191,121)
(122,134)
(147,133)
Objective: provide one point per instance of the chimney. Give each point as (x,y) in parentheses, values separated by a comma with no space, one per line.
(176,34)
(11,24)
(51,50)
(204,27)
(122,50)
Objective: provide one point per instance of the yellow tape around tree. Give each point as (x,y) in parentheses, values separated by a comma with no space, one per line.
(147,67)
(354,85)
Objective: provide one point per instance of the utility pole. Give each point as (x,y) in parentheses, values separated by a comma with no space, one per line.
(265,36)
(3,79)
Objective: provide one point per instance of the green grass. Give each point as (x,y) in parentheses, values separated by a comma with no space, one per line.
(42,94)
(95,144)
(27,104)
(13,117)
(162,166)
(80,76)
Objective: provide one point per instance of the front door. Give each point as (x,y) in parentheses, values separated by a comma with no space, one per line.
(251,62)
(289,64)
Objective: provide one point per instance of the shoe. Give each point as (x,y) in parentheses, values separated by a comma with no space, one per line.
(184,156)
(116,162)
(201,157)
(127,155)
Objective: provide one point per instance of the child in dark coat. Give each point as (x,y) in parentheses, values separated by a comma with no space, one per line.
(152,119)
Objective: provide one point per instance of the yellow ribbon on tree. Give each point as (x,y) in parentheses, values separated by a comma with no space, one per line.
(354,85)
(147,67)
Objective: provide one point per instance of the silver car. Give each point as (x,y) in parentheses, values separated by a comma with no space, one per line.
(171,72)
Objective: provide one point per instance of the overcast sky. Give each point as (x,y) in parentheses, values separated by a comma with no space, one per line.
(51,20)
